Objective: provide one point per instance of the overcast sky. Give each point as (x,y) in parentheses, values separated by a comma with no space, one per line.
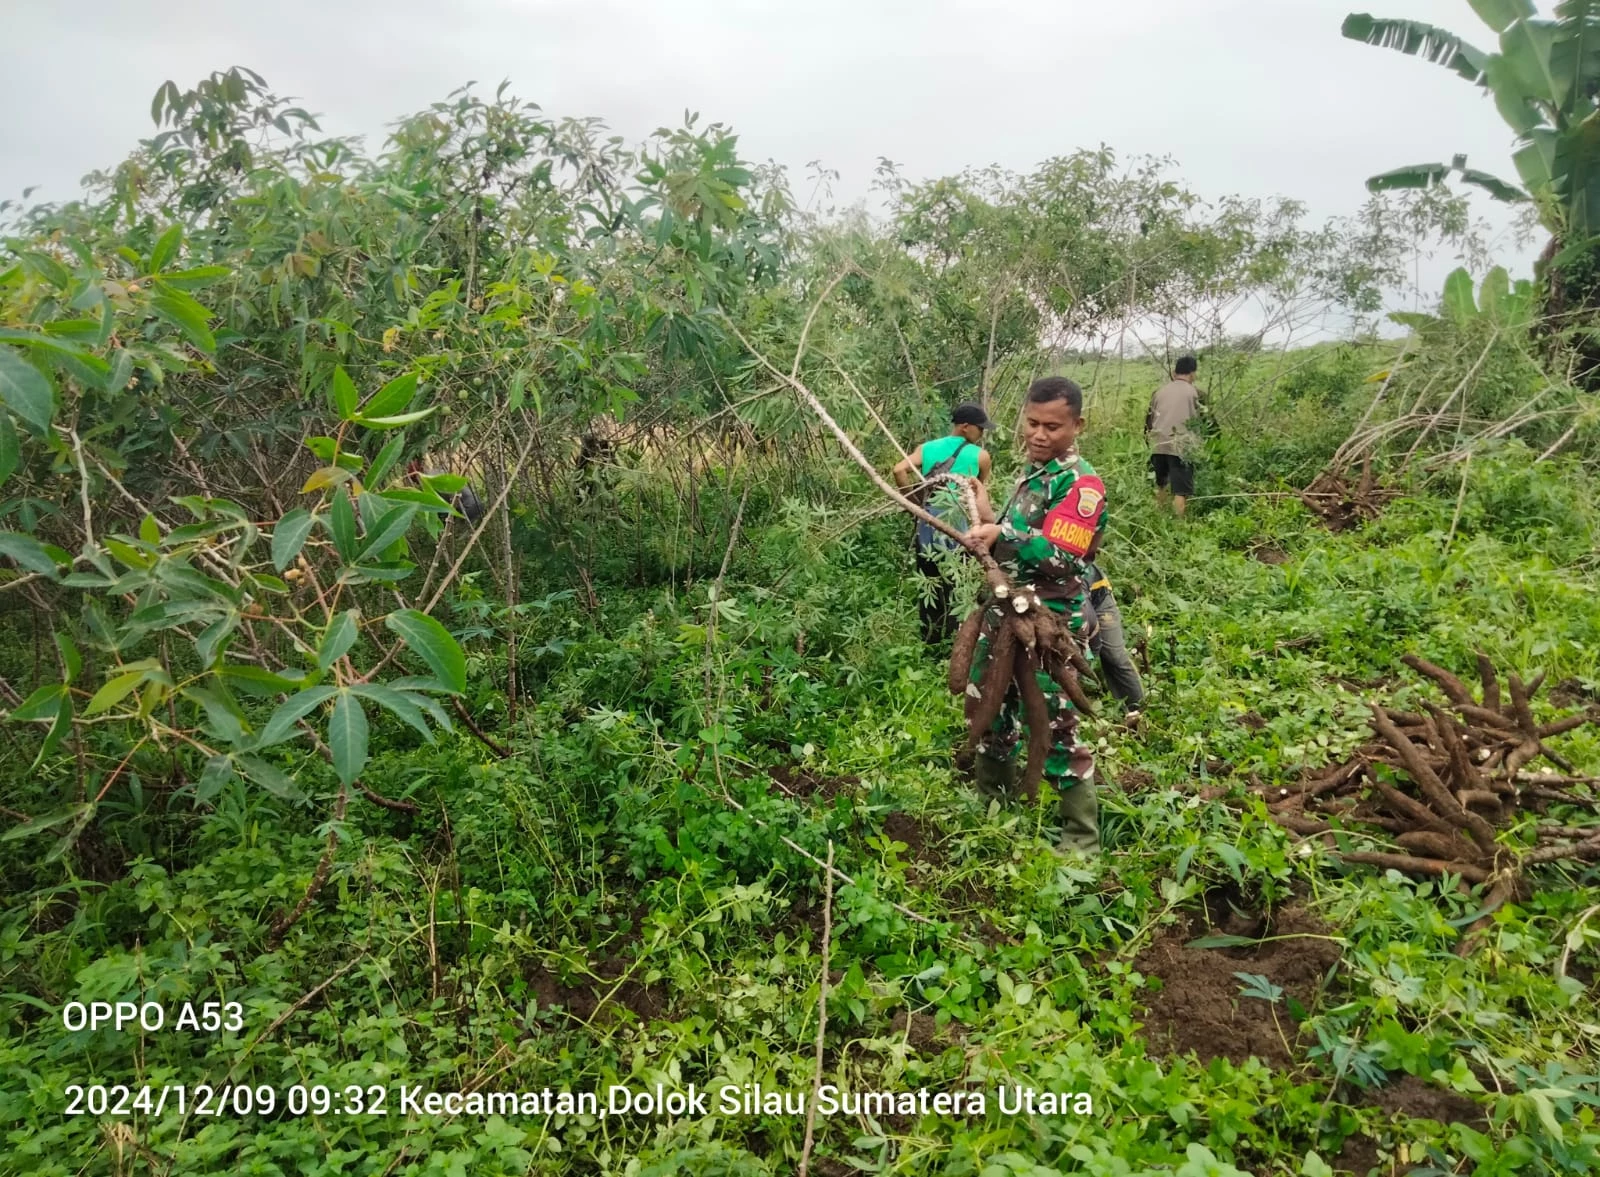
(1257,97)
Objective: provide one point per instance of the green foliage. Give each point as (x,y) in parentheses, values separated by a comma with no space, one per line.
(244,382)
(606,841)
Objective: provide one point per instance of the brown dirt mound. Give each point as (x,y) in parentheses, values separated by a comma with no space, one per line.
(1417,1100)
(1360,1157)
(925,1034)
(1134,780)
(789,781)
(806,913)
(968,891)
(1199,1006)
(1569,692)
(1414,1099)
(582,999)
(918,838)
(1268,554)
(97,857)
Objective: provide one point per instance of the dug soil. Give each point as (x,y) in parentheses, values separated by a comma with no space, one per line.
(925,1035)
(1569,692)
(1131,780)
(919,838)
(789,781)
(1360,1156)
(584,998)
(1413,1098)
(1199,1006)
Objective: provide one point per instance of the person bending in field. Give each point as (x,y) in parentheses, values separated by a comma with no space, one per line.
(1173,444)
(1044,537)
(959,452)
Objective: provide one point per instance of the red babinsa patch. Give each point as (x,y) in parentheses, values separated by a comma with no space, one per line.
(1072,523)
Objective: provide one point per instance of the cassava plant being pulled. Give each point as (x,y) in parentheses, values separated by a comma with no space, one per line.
(1030,638)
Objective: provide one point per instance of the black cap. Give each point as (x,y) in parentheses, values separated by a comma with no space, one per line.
(971,414)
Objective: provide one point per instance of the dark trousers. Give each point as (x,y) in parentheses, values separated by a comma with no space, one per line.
(1117,670)
(939,624)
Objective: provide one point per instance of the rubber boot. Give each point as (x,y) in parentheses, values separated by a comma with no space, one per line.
(1080,817)
(996,779)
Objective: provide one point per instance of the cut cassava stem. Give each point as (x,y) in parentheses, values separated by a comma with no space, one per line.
(992,570)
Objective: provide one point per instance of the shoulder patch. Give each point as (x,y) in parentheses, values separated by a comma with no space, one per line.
(1072,523)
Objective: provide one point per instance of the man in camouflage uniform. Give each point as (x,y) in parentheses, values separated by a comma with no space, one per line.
(1044,537)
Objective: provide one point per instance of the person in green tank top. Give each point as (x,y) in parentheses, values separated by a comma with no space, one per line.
(959,452)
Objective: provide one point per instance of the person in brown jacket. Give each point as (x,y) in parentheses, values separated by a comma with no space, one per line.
(1173,444)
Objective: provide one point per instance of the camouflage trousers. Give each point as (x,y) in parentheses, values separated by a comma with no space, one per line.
(1069,765)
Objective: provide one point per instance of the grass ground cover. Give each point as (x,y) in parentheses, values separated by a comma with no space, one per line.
(625,901)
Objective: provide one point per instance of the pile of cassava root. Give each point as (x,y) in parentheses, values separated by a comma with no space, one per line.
(1343,504)
(1443,783)
(1030,637)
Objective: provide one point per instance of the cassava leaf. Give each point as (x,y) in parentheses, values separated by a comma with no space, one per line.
(289,536)
(434,645)
(347,737)
(394,397)
(25,390)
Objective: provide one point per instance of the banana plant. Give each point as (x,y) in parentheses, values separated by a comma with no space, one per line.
(1545,82)
(1506,305)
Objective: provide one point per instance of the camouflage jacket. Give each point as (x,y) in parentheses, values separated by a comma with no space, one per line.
(1049,526)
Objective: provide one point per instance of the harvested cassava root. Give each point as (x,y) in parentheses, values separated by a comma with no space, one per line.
(1462,779)
(1343,504)
(1030,637)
